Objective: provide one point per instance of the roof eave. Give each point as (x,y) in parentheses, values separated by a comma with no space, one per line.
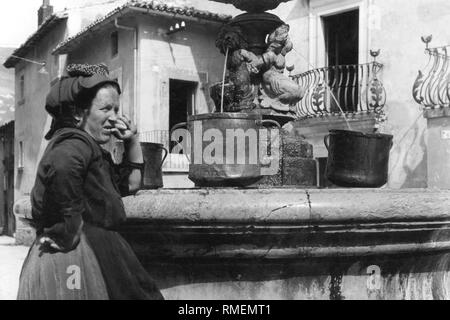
(41,32)
(66,47)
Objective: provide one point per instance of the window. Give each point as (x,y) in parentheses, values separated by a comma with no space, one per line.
(181,102)
(21,89)
(20,165)
(319,11)
(341,34)
(116,75)
(114,43)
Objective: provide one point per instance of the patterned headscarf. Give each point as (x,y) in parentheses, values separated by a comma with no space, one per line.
(87,70)
(66,91)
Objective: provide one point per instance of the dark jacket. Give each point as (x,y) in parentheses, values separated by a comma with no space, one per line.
(77,181)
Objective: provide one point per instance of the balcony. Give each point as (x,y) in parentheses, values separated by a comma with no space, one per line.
(432,86)
(341,90)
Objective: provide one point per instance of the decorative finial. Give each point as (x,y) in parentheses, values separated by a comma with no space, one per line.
(427,39)
(375,54)
(290,68)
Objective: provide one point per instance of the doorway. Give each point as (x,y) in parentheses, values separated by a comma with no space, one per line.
(341,33)
(342,38)
(181,100)
(182,96)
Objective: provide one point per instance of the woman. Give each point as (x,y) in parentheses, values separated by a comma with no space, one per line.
(76,199)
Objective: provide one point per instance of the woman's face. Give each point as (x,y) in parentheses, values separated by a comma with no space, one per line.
(102,115)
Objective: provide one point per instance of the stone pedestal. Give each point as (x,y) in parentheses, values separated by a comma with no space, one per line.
(24,234)
(297,167)
(438,147)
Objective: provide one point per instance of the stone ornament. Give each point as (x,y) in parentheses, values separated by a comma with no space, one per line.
(257,6)
(258,80)
(242,88)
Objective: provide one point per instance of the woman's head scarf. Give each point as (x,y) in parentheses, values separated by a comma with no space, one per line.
(68,90)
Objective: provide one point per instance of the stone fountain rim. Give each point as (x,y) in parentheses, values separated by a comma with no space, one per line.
(225,115)
(253,17)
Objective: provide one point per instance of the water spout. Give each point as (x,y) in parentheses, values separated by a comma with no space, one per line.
(223,79)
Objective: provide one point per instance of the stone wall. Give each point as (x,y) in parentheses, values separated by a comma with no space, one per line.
(31,120)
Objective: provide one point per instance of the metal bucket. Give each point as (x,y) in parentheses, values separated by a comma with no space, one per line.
(153,153)
(224,174)
(356,159)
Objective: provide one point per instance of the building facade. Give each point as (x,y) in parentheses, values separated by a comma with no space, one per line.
(7,219)
(334,32)
(131,39)
(166,75)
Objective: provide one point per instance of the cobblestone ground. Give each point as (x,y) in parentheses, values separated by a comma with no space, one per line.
(11,260)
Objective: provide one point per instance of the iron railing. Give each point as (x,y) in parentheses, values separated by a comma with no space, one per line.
(342,89)
(174,162)
(432,86)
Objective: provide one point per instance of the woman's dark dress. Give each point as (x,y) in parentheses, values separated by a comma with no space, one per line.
(78,184)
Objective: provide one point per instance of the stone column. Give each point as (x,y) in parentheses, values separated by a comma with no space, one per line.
(297,167)
(438,147)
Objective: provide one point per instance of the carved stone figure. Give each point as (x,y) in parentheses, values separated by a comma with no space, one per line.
(245,89)
(257,80)
(279,92)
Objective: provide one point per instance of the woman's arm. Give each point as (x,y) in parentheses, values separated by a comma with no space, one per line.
(133,152)
(63,196)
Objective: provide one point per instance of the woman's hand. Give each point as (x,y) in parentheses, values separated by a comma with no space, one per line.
(65,240)
(124,129)
(47,242)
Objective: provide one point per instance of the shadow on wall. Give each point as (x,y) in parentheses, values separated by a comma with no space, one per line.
(300,10)
(409,167)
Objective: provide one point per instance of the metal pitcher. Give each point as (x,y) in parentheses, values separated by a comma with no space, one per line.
(152,152)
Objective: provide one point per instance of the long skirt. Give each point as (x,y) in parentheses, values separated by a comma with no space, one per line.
(103,266)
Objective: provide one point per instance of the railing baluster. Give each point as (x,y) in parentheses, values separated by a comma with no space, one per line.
(361,77)
(340,89)
(431,88)
(346,88)
(442,97)
(332,87)
(352,88)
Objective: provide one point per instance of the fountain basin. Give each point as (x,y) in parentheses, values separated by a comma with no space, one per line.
(292,243)
(254,5)
(256,27)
